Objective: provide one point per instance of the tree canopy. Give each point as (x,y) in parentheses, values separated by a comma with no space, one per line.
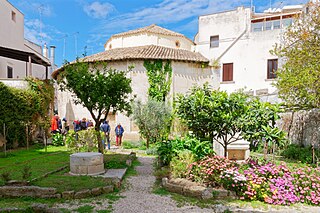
(298,78)
(97,88)
(153,119)
(226,118)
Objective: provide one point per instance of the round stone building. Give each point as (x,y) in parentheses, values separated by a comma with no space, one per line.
(132,48)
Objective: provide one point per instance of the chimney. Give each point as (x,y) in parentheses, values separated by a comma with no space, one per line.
(45,50)
(52,53)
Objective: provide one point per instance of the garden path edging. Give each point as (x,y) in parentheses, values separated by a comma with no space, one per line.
(192,189)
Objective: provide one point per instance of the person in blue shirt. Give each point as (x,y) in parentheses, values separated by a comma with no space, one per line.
(119,133)
(105,128)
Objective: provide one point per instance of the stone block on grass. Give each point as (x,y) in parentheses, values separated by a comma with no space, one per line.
(96,191)
(68,194)
(174,188)
(108,189)
(82,194)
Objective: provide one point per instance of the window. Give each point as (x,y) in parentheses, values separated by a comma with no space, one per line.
(257,27)
(227,74)
(177,44)
(9,72)
(272,68)
(276,25)
(13,16)
(214,41)
(268,25)
(287,22)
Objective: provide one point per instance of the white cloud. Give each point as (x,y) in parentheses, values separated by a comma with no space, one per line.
(278,4)
(37,7)
(37,32)
(98,10)
(166,13)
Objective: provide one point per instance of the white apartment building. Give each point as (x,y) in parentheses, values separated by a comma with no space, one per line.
(19,57)
(238,45)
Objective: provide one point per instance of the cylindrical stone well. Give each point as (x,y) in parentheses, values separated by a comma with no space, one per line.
(86,163)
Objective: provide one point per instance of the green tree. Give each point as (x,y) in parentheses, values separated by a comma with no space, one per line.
(298,79)
(153,119)
(261,124)
(97,88)
(226,118)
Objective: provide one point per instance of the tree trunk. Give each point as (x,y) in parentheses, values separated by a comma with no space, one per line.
(147,143)
(100,145)
(225,150)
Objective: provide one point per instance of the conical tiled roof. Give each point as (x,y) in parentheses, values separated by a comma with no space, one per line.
(142,53)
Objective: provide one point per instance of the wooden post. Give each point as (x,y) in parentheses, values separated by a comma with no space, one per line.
(313,154)
(45,141)
(27,136)
(5,140)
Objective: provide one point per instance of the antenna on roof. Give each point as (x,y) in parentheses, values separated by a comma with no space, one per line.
(251,6)
(40,8)
(76,42)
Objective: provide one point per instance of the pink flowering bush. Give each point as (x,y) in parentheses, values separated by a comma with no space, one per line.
(231,179)
(209,170)
(307,185)
(263,181)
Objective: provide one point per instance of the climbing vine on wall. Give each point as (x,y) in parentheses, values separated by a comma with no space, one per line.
(159,76)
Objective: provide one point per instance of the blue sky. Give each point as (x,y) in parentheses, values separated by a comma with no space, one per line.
(86,25)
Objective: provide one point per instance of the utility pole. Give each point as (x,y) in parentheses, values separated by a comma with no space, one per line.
(40,8)
(76,42)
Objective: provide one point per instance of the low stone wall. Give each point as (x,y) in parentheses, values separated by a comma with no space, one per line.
(192,189)
(43,192)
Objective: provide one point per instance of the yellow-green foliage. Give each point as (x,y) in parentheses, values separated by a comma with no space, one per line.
(24,106)
(179,165)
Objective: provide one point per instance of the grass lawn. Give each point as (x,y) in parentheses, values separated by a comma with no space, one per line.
(42,162)
(39,161)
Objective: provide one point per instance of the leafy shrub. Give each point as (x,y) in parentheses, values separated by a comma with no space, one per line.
(26,172)
(26,106)
(162,172)
(180,164)
(57,139)
(209,170)
(300,153)
(169,149)
(6,176)
(85,140)
(151,151)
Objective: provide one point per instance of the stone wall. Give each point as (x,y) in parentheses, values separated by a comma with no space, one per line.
(43,192)
(192,189)
(302,127)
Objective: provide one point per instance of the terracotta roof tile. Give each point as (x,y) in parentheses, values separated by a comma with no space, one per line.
(143,52)
(153,29)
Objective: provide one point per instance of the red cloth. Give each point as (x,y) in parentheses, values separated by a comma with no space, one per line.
(54,123)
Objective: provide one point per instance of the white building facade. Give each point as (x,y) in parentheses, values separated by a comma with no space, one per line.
(19,57)
(238,45)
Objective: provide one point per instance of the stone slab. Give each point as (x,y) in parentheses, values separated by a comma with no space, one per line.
(114,173)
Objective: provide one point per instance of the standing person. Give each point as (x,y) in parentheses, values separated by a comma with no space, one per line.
(105,128)
(54,124)
(119,132)
(66,126)
(76,128)
(83,124)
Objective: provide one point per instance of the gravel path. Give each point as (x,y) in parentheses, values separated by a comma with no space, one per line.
(138,196)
